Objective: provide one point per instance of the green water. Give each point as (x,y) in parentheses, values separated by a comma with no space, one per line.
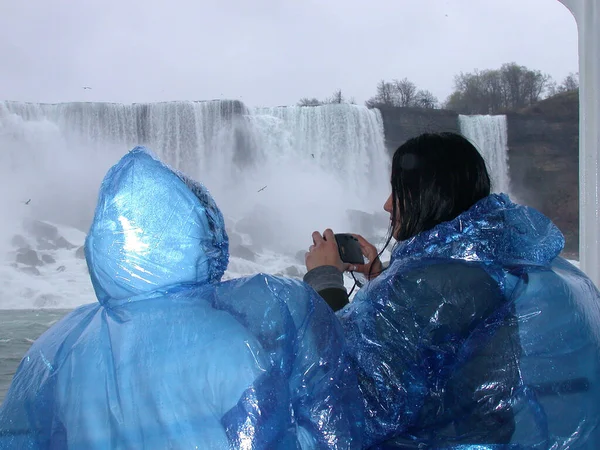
(18,330)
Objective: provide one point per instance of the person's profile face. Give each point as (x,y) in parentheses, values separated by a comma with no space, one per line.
(389,208)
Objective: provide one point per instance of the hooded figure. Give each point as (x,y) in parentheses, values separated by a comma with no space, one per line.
(170,356)
(479,333)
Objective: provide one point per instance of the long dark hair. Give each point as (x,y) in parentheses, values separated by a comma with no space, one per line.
(435,178)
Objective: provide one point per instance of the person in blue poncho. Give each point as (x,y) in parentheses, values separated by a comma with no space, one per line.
(171,356)
(478,334)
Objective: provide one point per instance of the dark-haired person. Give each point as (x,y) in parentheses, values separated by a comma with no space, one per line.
(477,333)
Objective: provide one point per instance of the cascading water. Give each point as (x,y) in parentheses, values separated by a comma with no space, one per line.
(345,140)
(57,154)
(489,134)
(184,134)
(277,173)
(316,163)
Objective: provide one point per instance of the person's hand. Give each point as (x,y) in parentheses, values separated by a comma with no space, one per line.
(370,252)
(324,252)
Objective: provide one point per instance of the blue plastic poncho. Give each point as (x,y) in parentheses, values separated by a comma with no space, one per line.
(478,333)
(171,357)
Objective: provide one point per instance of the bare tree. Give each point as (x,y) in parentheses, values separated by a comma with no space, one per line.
(309,102)
(401,93)
(551,89)
(406,91)
(534,83)
(425,99)
(469,96)
(336,98)
(384,97)
(493,91)
(570,83)
(512,78)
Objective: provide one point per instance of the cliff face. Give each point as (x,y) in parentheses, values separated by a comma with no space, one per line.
(543,154)
(401,124)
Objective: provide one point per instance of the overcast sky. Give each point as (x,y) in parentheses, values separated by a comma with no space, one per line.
(267,52)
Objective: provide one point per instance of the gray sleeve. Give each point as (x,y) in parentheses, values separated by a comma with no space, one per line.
(325,277)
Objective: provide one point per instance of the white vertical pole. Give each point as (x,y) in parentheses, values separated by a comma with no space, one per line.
(587,15)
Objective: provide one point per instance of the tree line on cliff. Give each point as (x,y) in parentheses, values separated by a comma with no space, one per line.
(492,91)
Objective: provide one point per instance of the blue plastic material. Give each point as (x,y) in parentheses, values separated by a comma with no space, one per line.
(171,357)
(478,336)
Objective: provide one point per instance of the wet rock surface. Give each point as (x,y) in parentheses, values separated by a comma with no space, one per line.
(243,252)
(28,257)
(80,253)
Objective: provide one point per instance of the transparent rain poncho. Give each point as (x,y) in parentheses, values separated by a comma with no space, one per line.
(170,356)
(479,334)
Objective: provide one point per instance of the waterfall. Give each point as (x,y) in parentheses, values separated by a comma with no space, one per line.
(346,141)
(183,134)
(291,169)
(489,135)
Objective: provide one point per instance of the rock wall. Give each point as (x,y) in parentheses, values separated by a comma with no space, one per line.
(401,124)
(544,162)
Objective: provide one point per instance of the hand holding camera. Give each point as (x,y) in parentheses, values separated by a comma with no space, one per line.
(373,266)
(324,252)
(344,251)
